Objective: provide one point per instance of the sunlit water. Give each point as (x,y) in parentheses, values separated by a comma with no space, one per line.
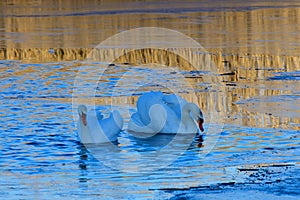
(42,158)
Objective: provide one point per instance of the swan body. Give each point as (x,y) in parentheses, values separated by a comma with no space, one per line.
(169,114)
(93,128)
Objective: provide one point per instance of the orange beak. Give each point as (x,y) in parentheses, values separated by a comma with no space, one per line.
(83,119)
(200,124)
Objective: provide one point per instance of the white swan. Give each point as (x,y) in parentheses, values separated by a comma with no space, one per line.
(169,114)
(93,128)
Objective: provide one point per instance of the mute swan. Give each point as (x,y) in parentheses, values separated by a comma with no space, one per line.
(169,114)
(93,128)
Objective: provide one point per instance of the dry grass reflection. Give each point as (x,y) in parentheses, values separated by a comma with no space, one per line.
(247,46)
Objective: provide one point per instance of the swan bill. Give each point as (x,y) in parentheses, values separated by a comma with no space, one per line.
(200,124)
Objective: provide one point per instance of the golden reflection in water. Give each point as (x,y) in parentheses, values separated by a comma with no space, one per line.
(248,44)
(81,24)
(256,114)
(244,83)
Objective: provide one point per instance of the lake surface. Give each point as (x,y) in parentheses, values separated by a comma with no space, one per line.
(257,97)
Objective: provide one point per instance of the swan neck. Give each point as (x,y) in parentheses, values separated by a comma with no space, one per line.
(187,119)
(187,108)
(186,113)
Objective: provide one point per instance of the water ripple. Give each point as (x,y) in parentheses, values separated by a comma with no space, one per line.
(41,156)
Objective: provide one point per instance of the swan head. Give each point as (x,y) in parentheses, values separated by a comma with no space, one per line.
(197,115)
(82,111)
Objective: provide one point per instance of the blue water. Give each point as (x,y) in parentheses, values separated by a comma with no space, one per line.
(42,158)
